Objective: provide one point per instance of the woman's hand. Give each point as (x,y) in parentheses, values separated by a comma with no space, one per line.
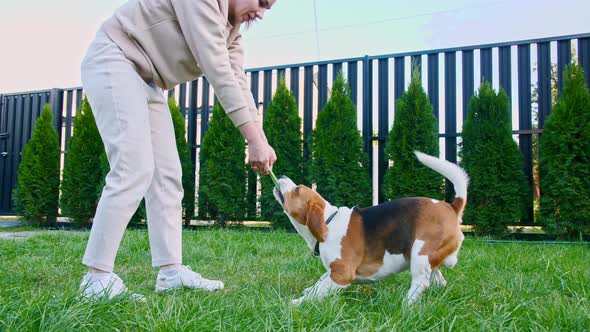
(261,155)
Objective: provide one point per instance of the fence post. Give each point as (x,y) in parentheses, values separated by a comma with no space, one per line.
(383,123)
(5,180)
(1,107)
(307,111)
(252,177)
(322,86)
(564,58)
(525,118)
(450,80)
(584,57)
(56,103)
(192,122)
(368,111)
(266,90)
(1,133)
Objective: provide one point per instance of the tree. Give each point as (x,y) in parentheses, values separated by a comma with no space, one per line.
(188,175)
(82,172)
(564,160)
(498,186)
(37,190)
(222,177)
(339,164)
(414,128)
(282,126)
(554,92)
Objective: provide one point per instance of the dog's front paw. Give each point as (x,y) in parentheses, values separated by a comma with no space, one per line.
(307,290)
(299,301)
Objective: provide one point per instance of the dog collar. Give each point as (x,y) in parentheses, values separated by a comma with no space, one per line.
(316,249)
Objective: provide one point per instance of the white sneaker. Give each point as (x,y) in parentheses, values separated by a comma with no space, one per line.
(104,285)
(187,278)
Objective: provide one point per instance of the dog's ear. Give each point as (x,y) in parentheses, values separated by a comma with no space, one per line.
(314,219)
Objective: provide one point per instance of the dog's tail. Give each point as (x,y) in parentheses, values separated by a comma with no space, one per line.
(452,172)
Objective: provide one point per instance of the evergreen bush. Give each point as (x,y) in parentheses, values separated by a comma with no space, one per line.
(564,160)
(498,186)
(282,126)
(222,177)
(37,191)
(339,164)
(188,175)
(414,128)
(82,172)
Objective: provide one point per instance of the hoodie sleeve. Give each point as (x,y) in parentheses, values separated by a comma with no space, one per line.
(202,24)
(236,55)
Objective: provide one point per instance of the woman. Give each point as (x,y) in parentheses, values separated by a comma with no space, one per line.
(146,47)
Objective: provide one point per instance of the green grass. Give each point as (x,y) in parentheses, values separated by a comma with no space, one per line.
(18,229)
(501,286)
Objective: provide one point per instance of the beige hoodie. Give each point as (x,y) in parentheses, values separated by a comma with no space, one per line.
(176,41)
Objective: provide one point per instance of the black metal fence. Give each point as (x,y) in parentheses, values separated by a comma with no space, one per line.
(450,76)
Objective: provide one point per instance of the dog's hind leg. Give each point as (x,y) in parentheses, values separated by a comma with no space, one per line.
(451,260)
(421,271)
(437,278)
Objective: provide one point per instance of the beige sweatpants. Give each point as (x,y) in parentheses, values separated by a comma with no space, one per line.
(135,124)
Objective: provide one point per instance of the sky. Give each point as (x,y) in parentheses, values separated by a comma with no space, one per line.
(43,42)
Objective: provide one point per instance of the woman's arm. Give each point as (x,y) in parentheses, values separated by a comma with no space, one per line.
(203,27)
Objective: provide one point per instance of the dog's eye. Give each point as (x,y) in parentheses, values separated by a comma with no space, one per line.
(297,190)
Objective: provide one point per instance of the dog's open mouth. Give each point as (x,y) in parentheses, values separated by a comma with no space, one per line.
(278,196)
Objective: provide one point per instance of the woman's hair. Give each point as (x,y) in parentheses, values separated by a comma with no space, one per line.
(263,4)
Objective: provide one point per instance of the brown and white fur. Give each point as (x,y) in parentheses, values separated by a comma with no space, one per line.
(369,244)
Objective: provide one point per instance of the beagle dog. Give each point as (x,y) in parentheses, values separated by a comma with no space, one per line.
(369,244)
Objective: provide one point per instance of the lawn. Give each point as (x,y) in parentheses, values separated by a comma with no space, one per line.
(495,286)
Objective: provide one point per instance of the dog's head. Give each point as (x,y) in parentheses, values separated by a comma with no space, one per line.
(304,207)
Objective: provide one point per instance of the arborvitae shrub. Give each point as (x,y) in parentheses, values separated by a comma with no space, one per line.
(564,159)
(339,164)
(82,172)
(498,186)
(414,128)
(188,175)
(37,190)
(282,127)
(222,177)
